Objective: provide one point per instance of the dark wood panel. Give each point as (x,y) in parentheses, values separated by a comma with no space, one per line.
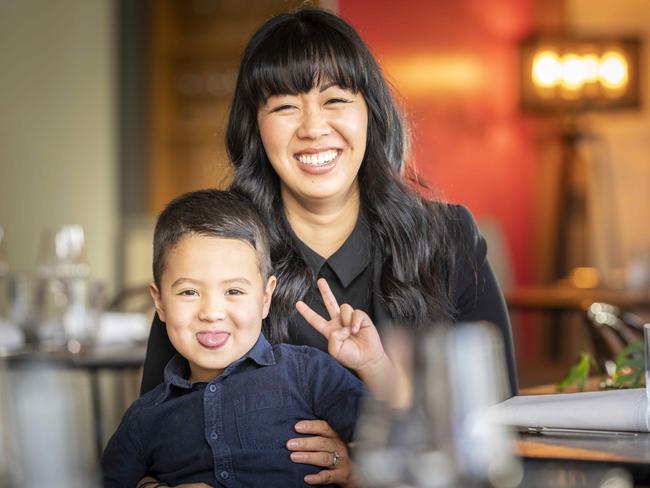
(194,55)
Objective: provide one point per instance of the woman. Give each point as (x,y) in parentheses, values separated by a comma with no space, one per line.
(318,145)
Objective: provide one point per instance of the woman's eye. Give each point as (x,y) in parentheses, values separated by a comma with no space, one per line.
(282,108)
(332,101)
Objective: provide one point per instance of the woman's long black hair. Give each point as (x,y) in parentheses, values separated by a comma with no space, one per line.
(292,53)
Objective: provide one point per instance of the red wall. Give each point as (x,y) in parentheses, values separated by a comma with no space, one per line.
(454,62)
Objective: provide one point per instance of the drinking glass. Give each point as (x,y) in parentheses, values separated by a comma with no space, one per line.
(478,375)
(4,277)
(63,253)
(411,448)
(21,305)
(646,350)
(64,290)
(447,438)
(8,439)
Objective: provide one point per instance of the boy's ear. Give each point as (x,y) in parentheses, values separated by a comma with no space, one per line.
(157,302)
(268,293)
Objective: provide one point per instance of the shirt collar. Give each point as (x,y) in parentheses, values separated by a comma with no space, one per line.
(354,255)
(261,353)
(177,370)
(313,260)
(349,260)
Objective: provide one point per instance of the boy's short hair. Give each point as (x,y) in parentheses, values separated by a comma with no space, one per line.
(211,213)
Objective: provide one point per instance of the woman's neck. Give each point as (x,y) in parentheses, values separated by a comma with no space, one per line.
(323,226)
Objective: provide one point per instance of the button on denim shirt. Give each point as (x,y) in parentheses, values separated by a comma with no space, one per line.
(232,432)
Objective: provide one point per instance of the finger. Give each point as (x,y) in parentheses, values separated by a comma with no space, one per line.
(339,476)
(322,459)
(336,339)
(313,319)
(358,320)
(329,299)
(316,427)
(346,314)
(313,444)
(340,335)
(328,476)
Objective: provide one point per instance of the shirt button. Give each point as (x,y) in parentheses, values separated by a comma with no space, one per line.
(214,436)
(213,388)
(224,475)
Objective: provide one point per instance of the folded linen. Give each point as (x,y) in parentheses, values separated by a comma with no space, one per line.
(600,410)
(122,328)
(11,336)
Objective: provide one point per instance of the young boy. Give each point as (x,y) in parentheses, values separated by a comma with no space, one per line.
(230,400)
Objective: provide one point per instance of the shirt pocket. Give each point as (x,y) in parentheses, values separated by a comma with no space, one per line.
(265,420)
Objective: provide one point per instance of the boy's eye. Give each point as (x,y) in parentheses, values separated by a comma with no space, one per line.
(189,293)
(234,291)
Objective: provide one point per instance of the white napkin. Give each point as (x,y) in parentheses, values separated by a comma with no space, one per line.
(11,336)
(122,328)
(601,410)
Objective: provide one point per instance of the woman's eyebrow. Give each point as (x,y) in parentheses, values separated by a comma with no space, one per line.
(322,88)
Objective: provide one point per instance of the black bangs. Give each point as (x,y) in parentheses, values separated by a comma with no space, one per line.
(298,55)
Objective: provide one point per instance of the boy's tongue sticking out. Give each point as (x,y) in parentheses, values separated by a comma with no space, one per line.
(212,339)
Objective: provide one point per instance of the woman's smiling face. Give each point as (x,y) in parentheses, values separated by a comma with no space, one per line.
(315,142)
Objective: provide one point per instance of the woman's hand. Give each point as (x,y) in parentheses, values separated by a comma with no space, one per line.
(352,338)
(325,450)
(150,482)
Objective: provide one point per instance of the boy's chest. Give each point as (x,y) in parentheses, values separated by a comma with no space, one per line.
(229,432)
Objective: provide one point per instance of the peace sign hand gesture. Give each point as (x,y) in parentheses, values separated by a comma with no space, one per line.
(351,336)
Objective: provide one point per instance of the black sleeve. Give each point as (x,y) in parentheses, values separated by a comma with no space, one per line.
(122,461)
(333,391)
(159,352)
(477,294)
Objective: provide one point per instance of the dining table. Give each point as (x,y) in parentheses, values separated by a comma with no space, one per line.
(575,460)
(566,459)
(92,360)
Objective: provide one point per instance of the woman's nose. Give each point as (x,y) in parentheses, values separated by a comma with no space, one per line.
(313,125)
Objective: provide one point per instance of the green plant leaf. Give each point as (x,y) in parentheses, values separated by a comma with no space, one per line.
(630,366)
(629,373)
(579,373)
(632,351)
(629,380)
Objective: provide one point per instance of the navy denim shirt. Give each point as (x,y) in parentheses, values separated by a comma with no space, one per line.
(232,431)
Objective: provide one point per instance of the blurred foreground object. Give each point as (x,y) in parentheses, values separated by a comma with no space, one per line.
(45,431)
(11,335)
(446,438)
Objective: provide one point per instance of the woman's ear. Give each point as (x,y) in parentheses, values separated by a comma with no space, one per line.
(157,301)
(268,293)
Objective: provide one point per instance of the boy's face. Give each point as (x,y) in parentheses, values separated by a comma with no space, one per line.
(213,299)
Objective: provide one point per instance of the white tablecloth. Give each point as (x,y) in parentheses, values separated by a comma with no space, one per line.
(602,410)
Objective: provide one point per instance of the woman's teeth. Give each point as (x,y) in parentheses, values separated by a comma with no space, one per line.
(319,159)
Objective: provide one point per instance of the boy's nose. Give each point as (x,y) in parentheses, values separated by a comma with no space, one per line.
(211,312)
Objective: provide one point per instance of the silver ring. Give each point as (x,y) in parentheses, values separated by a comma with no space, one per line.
(336,457)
